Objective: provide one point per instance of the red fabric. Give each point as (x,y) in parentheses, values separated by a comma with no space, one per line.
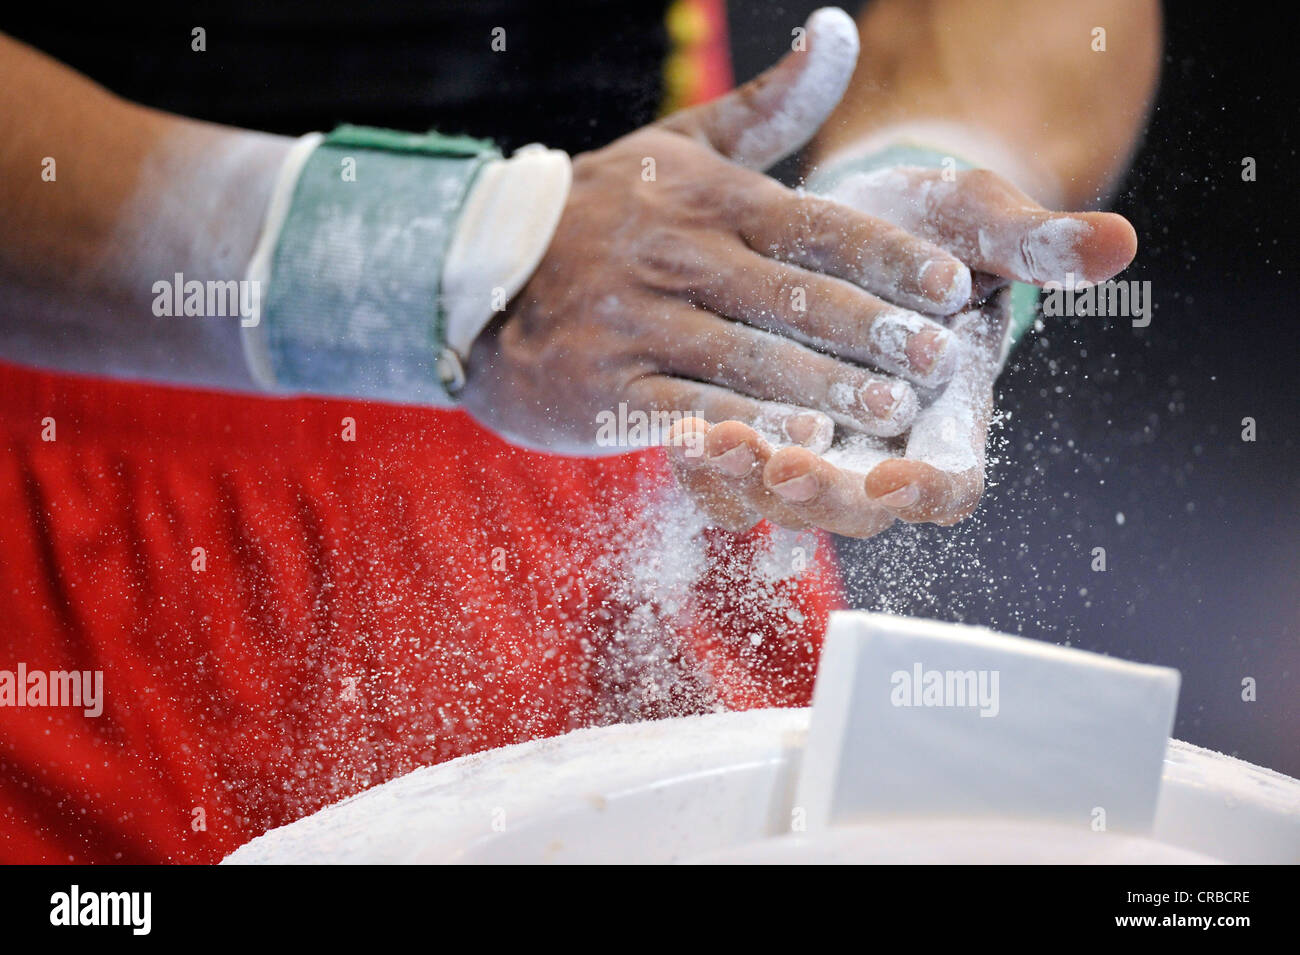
(355,619)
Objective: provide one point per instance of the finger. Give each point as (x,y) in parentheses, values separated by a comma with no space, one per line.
(871,253)
(941,477)
(665,396)
(720,502)
(773,115)
(828,314)
(820,494)
(994,227)
(737,454)
(753,362)
(917,492)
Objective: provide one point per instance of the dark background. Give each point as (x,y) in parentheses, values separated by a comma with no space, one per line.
(1105,420)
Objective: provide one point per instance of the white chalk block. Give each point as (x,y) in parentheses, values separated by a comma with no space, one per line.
(913,717)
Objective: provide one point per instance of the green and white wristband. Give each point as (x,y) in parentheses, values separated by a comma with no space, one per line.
(384,254)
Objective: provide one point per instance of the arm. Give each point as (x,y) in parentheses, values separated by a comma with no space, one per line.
(1015,81)
(137,196)
(673,280)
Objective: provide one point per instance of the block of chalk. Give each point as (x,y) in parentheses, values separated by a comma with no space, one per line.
(917,718)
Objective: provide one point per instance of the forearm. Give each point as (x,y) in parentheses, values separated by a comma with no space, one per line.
(133,198)
(1018,81)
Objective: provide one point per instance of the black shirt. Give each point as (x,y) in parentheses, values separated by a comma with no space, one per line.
(574,74)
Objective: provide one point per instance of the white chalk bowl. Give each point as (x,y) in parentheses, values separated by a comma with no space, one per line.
(720,788)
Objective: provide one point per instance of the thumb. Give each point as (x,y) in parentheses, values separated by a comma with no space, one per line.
(774,114)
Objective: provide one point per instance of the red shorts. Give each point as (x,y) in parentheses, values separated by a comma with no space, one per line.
(283,617)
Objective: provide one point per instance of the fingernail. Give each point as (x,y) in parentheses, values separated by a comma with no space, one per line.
(810,429)
(735,462)
(946,283)
(880,399)
(905,496)
(797,490)
(929,352)
(924,347)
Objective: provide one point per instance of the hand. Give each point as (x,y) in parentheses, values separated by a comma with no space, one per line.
(862,486)
(679,281)
(859,488)
(992,226)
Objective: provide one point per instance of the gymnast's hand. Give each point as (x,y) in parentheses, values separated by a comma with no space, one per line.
(681,281)
(936,473)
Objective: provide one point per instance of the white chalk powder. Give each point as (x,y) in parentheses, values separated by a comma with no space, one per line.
(1047,252)
(859,453)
